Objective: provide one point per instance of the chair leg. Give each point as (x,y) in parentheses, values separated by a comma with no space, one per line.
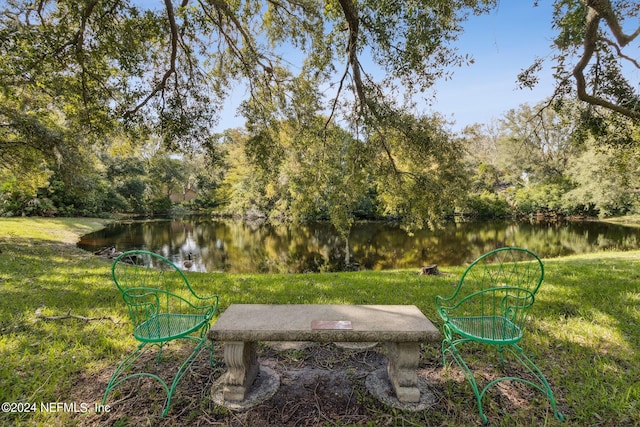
(202,345)
(501,352)
(209,344)
(450,347)
(543,385)
(212,360)
(159,357)
(124,366)
(115,380)
(446,342)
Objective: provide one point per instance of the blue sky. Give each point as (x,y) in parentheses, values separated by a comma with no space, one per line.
(502,43)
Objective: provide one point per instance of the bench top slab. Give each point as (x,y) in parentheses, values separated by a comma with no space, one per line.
(323,323)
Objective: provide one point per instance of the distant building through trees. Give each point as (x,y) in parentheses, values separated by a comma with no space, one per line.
(186,196)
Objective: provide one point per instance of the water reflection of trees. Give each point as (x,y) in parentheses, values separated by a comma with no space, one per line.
(236,246)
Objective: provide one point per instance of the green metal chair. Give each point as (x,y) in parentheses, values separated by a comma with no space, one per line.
(490,306)
(163,307)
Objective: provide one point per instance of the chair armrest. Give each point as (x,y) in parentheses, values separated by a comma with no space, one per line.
(202,304)
(515,305)
(207,298)
(210,306)
(137,298)
(508,301)
(441,308)
(142,304)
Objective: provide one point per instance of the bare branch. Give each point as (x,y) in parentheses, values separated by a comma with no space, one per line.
(162,84)
(335,100)
(351,15)
(605,10)
(619,51)
(594,15)
(38,315)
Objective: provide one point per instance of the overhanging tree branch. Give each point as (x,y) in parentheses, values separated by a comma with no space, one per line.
(162,84)
(222,6)
(597,10)
(351,15)
(605,10)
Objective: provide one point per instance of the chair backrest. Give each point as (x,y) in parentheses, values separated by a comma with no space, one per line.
(510,266)
(502,282)
(151,284)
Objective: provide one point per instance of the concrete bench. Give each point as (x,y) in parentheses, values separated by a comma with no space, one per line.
(402,327)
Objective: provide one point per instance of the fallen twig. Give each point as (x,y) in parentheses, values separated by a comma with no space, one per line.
(39,315)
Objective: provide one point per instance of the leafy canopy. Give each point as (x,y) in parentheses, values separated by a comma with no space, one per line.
(80,73)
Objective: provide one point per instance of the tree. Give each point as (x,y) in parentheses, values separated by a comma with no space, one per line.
(538,142)
(164,68)
(606,180)
(313,182)
(540,160)
(127,176)
(32,143)
(243,186)
(419,174)
(101,67)
(595,58)
(481,144)
(167,174)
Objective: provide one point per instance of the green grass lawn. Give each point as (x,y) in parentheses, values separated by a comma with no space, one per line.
(584,331)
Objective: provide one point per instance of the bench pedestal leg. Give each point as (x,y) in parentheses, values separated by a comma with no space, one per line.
(403,359)
(242,368)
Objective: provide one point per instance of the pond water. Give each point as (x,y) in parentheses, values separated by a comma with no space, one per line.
(240,247)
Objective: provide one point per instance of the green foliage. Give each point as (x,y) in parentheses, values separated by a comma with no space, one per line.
(108,69)
(606,180)
(486,205)
(540,198)
(83,74)
(168,174)
(541,161)
(292,173)
(486,178)
(160,205)
(79,78)
(17,196)
(531,162)
(416,170)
